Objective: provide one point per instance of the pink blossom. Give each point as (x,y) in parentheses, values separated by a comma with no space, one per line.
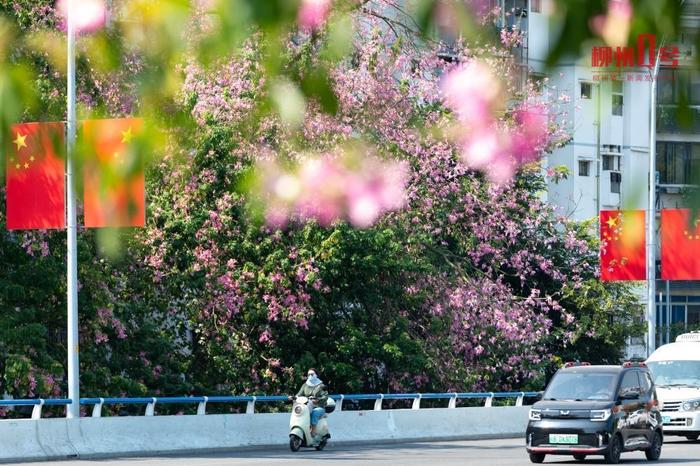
(530,136)
(614,27)
(513,37)
(333,187)
(364,210)
(472,91)
(481,149)
(100,337)
(313,14)
(32,384)
(265,337)
(88,15)
(120,329)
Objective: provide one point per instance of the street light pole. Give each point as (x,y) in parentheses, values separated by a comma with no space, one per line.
(598,89)
(651,216)
(73,410)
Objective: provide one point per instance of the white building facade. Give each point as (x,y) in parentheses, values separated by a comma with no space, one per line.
(608,156)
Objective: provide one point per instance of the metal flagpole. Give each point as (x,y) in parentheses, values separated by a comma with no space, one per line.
(73,410)
(651,215)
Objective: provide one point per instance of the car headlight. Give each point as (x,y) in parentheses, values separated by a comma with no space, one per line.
(535,415)
(600,414)
(690,405)
(297,409)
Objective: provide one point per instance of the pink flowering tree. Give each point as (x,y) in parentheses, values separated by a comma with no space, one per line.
(385,228)
(459,278)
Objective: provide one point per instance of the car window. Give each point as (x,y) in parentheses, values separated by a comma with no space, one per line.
(645,383)
(676,373)
(629,386)
(572,385)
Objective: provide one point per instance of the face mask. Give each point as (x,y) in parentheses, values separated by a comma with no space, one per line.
(312,379)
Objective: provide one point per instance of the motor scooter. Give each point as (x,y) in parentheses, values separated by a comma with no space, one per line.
(300,425)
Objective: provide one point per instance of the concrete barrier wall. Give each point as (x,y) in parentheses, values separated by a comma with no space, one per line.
(24,440)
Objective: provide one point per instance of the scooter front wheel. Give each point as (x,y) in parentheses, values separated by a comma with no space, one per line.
(294,442)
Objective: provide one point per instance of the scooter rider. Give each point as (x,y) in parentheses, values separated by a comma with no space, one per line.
(316,392)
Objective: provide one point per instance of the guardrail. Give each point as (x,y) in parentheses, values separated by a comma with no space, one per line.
(127,431)
(250,400)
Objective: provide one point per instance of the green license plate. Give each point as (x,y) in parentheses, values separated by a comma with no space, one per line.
(666,419)
(566,439)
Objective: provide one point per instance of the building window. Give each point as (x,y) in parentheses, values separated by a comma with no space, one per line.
(677,162)
(615,180)
(678,86)
(538,80)
(693,316)
(586,90)
(584,168)
(611,162)
(665,86)
(617,98)
(536,6)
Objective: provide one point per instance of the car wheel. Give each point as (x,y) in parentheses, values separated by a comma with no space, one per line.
(537,457)
(579,457)
(692,437)
(294,443)
(612,456)
(654,452)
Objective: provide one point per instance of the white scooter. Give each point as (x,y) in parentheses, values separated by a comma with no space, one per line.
(300,425)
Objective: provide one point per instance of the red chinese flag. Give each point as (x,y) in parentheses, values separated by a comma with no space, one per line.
(622,245)
(680,245)
(113,177)
(36,177)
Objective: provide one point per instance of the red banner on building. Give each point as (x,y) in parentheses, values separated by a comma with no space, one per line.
(36,177)
(114,181)
(622,245)
(680,245)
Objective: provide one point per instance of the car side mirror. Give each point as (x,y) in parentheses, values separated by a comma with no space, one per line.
(629,395)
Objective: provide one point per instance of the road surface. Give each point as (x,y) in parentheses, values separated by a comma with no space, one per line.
(477,452)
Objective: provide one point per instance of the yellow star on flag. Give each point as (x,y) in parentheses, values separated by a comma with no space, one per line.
(31,158)
(127,135)
(612,222)
(26,165)
(17,166)
(20,141)
(692,234)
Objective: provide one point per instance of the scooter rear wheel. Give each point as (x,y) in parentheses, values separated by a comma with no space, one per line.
(322,444)
(294,442)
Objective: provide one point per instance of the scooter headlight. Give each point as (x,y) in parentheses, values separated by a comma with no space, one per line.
(297,409)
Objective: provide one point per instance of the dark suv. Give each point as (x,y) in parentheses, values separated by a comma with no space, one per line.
(596,410)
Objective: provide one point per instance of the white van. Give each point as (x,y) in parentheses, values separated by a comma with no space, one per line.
(676,371)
